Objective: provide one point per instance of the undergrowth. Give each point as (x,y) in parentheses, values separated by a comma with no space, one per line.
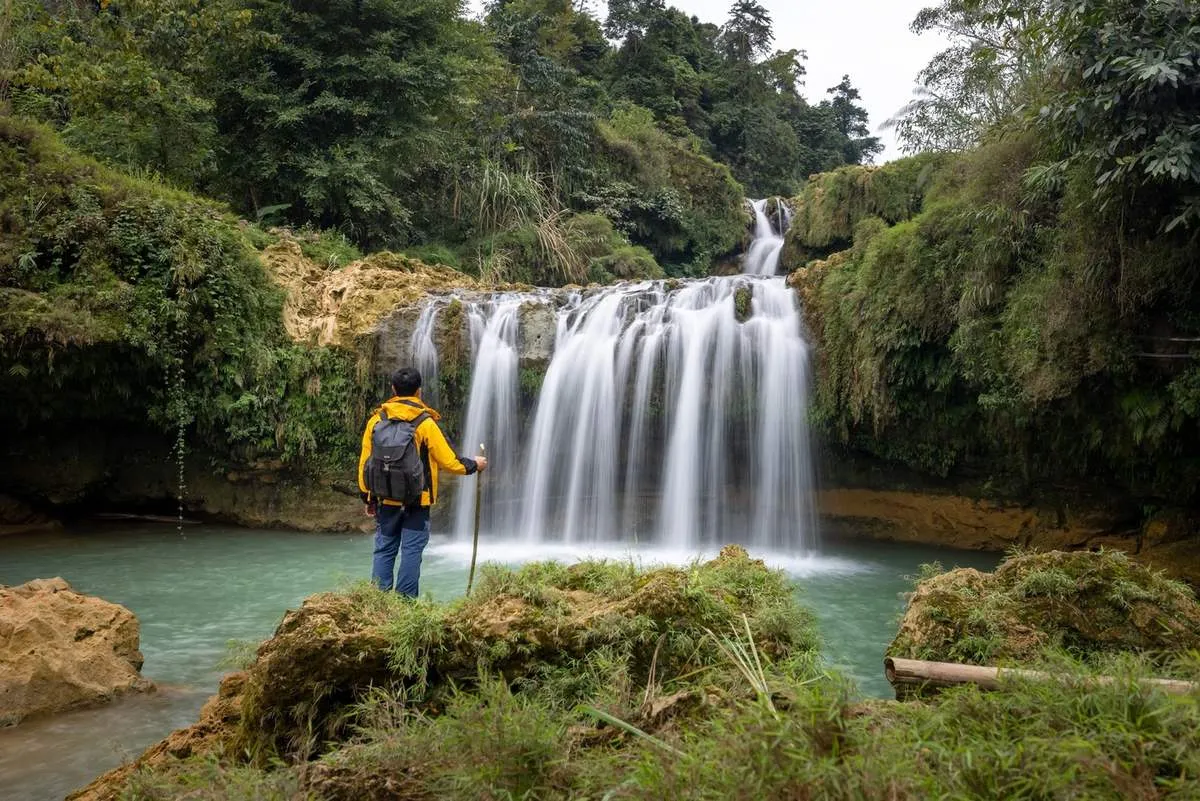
(603,681)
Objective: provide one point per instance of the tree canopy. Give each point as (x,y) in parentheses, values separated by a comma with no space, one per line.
(404,124)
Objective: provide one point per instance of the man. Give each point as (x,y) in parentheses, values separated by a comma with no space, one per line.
(401,527)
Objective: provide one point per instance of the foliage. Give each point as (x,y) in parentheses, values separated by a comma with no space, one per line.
(339,109)
(1001,333)
(621,717)
(124,301)
(1126,113)
(1086,604)
(404,125)
(683,207)
(1001,55)
(122,82)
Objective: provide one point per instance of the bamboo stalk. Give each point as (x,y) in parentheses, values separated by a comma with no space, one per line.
(909,673)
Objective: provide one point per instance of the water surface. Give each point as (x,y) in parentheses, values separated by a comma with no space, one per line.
(196,592)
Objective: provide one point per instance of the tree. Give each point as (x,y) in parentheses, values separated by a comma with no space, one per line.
(1128,111)
(747,34)
(666,71)
(628,19)
(850,119)
(342,109)
(124,83)
(1000,57)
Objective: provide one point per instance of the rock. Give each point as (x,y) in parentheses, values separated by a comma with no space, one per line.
(946,518)
(61,650)
(1087,602)
(535,628)
(325,306)
(18,518)
(537,332)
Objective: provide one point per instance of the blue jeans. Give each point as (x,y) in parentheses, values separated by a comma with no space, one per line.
(405,531)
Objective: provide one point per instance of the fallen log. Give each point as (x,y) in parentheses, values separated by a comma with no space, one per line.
(907,675)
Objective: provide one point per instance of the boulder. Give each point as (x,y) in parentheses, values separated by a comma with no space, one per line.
(568,633)
(1088,603)
(61,650)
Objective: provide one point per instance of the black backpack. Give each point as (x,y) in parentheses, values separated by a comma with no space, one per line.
(394,471)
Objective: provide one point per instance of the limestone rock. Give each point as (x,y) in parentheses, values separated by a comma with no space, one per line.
(61,650)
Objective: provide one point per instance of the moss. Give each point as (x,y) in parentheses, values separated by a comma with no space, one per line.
(990,332)
(832,204)
(564,634)
(161,293)
(1087,603)
(743,298)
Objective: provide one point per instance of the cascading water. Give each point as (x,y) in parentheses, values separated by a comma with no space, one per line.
(671,413)
(762,257)
(424,352)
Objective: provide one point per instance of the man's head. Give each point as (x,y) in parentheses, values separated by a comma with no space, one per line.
(406,382)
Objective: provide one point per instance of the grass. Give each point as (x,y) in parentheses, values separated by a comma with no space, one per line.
(602,681)
(1088,604)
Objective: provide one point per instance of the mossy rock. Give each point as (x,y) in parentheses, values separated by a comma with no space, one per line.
(743,303)
(564,635)
(1088,603)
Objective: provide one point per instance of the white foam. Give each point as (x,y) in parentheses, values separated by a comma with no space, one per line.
(517,552)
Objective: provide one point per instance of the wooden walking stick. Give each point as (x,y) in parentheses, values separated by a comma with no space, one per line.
(478,507)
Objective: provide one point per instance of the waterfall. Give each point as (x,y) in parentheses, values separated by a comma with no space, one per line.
(762,257)
(671,413)
(424,352)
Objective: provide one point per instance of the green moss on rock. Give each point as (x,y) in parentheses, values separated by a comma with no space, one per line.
(831,205)
(1089,603)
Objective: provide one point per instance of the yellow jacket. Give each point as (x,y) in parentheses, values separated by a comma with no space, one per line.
(431,442)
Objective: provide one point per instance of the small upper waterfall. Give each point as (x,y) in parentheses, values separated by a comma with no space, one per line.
(670,412)
(762,257)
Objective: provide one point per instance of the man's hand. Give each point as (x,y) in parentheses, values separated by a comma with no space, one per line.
(370,509)
(480,463)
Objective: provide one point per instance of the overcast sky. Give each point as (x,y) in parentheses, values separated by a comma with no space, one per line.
(868,39)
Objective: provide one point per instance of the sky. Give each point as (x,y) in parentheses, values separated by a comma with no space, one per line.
(867,39)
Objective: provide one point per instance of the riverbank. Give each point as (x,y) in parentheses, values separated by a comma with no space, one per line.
(196,592)
(601,680)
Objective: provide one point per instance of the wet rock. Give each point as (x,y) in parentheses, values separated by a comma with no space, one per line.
(537,331)
(61,650)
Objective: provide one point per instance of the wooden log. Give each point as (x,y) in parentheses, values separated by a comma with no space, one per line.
(907,674)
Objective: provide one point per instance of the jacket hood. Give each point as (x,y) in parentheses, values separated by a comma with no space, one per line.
(407,408)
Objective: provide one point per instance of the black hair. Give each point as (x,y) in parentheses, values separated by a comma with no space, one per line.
(406,381)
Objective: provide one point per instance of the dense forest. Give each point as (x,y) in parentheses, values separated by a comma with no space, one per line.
(538,143)
(1020,302)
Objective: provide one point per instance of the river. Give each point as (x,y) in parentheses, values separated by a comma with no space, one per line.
(195,592)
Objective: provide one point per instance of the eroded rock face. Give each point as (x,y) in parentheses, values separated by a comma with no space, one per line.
(16,517)
(61,650)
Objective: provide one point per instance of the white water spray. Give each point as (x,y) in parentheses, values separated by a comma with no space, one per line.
(669,415)
(762,257)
